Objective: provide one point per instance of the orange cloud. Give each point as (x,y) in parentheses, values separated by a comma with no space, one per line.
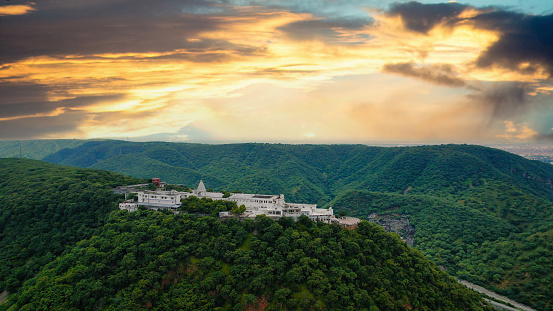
(15,9)
(517,131)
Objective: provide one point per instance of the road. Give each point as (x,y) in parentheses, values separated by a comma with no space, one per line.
(489,293)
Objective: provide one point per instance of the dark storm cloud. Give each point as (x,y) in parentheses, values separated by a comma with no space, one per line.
(443,74)
(525,42)
(423,17)
(13,93)
(41,127)
(524,45)
(31,108)
(324,29)
(31,99)
(59,28)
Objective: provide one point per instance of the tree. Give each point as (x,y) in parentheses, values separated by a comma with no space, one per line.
(238,210)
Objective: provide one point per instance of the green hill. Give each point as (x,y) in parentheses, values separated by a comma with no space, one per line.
(503,243)
(325,170)
(65,246)
(45,209)
(316,173)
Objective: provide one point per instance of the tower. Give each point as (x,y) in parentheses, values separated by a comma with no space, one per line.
(200,191)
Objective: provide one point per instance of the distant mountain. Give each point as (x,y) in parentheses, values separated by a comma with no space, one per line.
(64,245)
(35,149)
(481,213)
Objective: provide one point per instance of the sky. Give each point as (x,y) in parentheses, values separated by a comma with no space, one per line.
(311,71)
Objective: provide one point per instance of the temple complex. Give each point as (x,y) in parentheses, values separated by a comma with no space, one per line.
(273,206)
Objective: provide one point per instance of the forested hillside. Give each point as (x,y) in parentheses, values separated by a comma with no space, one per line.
(481,213)
(65,246)
(504,242)
(316,173)
(36,149)
(45,209)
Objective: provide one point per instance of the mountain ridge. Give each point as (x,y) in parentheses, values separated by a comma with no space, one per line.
(329,168)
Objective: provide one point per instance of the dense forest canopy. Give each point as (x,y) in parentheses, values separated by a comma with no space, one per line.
(45,209)
(509,250)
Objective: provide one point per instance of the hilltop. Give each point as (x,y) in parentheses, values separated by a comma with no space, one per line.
(64,245)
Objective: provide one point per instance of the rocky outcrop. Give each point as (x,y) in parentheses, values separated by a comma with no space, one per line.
(396,224)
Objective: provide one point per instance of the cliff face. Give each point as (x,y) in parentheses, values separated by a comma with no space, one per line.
(396,224)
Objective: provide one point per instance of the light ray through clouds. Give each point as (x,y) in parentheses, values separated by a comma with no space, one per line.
(346,71)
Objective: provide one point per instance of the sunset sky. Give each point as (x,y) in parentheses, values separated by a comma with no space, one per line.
(333,71)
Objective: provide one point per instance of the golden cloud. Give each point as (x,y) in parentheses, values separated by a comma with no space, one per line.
(517,131)
(15,9)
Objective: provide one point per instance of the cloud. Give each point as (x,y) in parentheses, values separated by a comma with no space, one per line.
(332,31)
(15,9)
(62,126)
(355,108)
(507,73)
(525,43)
(249,69)
(13,93)
(518,131)
(544,137)
(27,99)
(328,9)
(504,100)
(61,28)
(524,114)
(442,74)
(423,17)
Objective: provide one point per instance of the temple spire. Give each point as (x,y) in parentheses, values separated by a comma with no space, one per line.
(201,187)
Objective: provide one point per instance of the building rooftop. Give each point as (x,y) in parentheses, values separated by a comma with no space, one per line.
(263,196)
(211,195)
(349,220)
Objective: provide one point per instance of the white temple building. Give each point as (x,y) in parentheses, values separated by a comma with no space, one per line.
(273,206)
